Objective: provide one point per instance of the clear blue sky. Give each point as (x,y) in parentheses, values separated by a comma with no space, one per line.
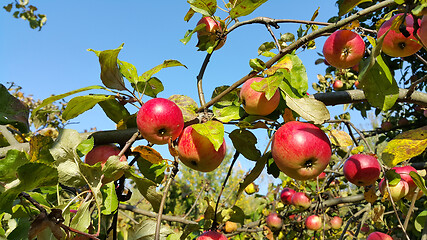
(54,60)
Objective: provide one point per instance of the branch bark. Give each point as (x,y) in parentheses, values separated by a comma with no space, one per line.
(154,215)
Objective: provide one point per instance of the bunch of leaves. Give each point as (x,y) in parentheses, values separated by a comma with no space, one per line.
(27,12)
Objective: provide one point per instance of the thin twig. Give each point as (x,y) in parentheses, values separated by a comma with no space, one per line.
(411,208)
(274,37)
(414,85)
(365,209)
(394,208)
(200,79)
(195,201)
(154,214)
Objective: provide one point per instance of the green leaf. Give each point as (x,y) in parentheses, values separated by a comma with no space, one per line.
(146,231)
(110,203)
(54,98)
(227,113)
(309,108)
(153,172)
(420,221)
(419,181)
(244,141)
(147,188)
(245,7)
(128,71)
(295,81)
(205,7)
(110,73)
(348,5)
(85,146)
(81,104)
(39,149)
(166,64)
(267,85)
(114,110)
(150,88)
(189,33)
(114,169)
(257,64)
(187,105)
(266,47)
(405,146)
(13,111)
(213,130)
(81,221)
(189,15)
(234,214)
(9,165)
(392,177)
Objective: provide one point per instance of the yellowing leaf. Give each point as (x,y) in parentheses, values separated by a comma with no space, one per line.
(288,116)
(370,195)
(284,63)
(340,138)
(347,5)
(357,150)
(378,213)
(149,154)
(405,146)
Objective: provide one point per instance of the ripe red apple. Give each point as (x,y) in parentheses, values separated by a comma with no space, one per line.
(404,175)
(344,49)
(101,153)
(212,235)
(286,195)
(274,221)
(395,43)
(337,85)
(379,236)
(313,222)
(336,222)
(255,103)
(301,150)
(301,200)
(397,191)
(386,126)
(321,176)
(197,151)
(362,169)
(210,33)
(159,120)
(422,33)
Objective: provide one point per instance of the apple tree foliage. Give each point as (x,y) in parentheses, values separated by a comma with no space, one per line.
(47,191)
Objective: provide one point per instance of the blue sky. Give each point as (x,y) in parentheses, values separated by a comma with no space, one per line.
(54,60)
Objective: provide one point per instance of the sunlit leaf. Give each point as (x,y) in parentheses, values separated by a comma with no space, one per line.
(245,7)
(110,202)
(147,188)
(268,86)
(151,88)
(189,15)
(13,111)
(149,154)
(347,5)
(340,138)
(8,165)
(39,149)
(187,105)
(309,108)
(128,71)
(213,130)
(295,80)
(257,64)
(146,230)
(166,64)
(205,7)
(81,220)
(405,146)
(419,181)
(420,221)
(153,172)
(227,113)
(81,104)
(284,63)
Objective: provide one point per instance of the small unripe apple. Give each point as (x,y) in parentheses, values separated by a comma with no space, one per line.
(344,49)
(337,85)
(301,150)
(397,191)
(362,169)
(379,236)
(286,195)
(209,34)
(404,175)
(274,222)
(101,153)
(251,189)
(313,222)
(386,126)
(336,222)
(255,103)
(159,120)
(197,151)
(230,226)
(357,84)
(301,200)
(211,235)
(395,43)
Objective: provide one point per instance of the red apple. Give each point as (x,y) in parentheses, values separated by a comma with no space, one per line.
(379,236)
(336,222)
(313,222)
(357,84)
(395,43)
(404,175)
(422,33)
(255,103)
(211,235)
(274,222)
(159,120)
(209,34)
(197,151)
(386,126)
(403,122)
(362,169)
(301,150)
(286,195)
(337,85)
(344,49)
(101,153)
(321,176)
(301,200)
(397,191)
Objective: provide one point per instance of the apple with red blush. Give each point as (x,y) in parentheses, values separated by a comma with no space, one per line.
(256,103)
(301,200)
(362,169)
(286,195)
(313,222)
(344,49)
(379,236)
(274,221)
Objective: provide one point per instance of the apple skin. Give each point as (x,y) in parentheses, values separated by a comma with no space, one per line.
(344,49)
(274,222)
(230,226)
(211,235)
(160,119)
(336,222)
(397,192)
(301,200)
(101,153)
(386,126)
(210,31)
(362,169)
(301,150)
(379,236)
(422,33)
(313,222)
(403,122)
(404,175)
(337,85)
(255,103)
(395,43)
(197,152)
(286,195)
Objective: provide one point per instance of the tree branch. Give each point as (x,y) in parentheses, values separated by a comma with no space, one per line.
(154,215)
